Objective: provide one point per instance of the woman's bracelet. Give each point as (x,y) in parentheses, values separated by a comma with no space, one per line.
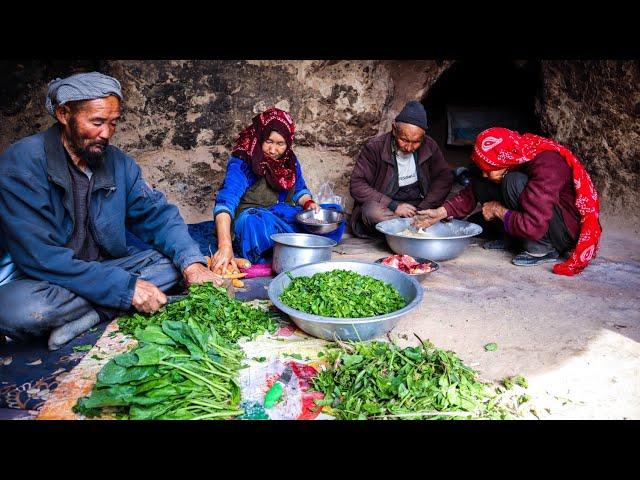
(307,203)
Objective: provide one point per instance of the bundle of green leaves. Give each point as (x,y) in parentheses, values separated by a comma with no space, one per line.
(342,294)
(208,305)
(179,370)
(372,380)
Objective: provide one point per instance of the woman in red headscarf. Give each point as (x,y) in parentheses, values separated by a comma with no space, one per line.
(262,191)
(539,191)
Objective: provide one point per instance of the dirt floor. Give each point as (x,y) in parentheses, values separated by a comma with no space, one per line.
(575,339)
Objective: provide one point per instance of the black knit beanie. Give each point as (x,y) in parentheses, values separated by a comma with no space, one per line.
(413,113)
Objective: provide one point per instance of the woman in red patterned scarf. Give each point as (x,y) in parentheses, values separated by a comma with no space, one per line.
(541,193)
(262,191)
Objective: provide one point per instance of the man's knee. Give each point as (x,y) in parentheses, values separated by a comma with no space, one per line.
(373,212)
(24,312)
(512,186)
(161,272)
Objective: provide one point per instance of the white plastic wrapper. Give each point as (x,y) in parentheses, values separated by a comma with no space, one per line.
(326,195)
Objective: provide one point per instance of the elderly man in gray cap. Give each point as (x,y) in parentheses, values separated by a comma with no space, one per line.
(66,200)
(398,173)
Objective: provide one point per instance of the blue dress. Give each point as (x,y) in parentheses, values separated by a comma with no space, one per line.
(252,229)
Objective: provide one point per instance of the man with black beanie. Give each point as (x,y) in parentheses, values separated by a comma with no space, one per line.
(398,173)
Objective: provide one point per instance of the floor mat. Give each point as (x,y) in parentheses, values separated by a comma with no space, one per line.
(29,372)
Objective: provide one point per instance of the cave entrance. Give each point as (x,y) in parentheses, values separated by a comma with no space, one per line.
(473,95)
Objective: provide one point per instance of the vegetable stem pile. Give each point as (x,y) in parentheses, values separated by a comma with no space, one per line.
(179,370)
(375,380)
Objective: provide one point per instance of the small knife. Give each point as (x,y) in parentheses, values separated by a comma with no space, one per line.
(175,298)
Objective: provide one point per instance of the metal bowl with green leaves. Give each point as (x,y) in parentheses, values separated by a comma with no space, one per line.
(354,328)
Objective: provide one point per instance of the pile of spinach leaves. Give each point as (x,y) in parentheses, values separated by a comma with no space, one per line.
(342,294)
(179,370)
(374,380)
(208,305)
(186,363)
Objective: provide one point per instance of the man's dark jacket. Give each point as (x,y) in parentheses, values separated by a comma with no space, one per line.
(375,176)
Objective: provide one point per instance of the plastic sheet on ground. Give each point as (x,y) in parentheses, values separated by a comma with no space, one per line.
(267,357)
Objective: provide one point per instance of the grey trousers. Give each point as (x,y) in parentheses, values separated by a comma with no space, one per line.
(508,193)
(373,213)
(32,308)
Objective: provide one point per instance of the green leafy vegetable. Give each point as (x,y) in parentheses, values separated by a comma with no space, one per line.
(193,378)
(508,382)
(523,399)
(208,305)
(297,356)
(186,363)
(342,294)
(82,348)
(368,380)
(490,347)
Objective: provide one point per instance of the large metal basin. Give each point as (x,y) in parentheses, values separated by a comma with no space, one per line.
(449,239)
(291,250)
(330,328)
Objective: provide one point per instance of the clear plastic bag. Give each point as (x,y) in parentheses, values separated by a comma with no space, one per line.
(327,195)
(256,381)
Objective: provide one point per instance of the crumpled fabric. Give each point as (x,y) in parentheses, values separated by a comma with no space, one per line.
(254,226)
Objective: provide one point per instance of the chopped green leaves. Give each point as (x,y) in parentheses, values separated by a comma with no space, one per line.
(342,294)
(490,347)
(508,382)
(208,305)
(369,380)
(82,348)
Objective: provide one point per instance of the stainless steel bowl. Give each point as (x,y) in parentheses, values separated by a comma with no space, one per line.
(292,250)
(330,328)
(324,221)
(448,239)
(418,276)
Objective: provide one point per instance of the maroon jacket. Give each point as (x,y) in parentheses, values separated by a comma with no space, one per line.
(550,183)
(375,176)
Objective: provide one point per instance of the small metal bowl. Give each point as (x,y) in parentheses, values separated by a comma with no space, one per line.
(290,250)
(325,221)
(418,276)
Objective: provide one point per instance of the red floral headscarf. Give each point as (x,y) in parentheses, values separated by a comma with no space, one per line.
(498,148)
(281,173)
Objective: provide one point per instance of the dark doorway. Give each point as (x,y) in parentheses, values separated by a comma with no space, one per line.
(472,95)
